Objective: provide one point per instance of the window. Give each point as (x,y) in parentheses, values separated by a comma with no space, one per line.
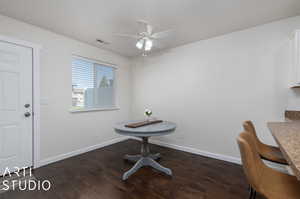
(93,85)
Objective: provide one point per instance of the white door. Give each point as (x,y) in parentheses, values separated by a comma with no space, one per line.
(15,106)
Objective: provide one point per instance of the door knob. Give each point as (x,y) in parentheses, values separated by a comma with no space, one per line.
(27,114)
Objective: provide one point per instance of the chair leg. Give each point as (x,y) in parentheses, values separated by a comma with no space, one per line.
(254,194)
(250,192)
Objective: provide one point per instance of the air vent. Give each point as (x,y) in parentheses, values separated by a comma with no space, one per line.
(100,41)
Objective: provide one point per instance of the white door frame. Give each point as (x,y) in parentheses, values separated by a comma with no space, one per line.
(36,94)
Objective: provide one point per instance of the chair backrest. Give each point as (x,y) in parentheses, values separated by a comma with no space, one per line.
(249,127)
(252,163)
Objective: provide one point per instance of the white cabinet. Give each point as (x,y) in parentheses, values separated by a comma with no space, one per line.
(295,73)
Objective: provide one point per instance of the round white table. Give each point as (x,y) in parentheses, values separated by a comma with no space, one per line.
(144,132)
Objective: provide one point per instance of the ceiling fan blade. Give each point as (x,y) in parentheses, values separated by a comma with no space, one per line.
(157,44)
(142,22)
(149,29)
(162,34)
(127,36)
(146,26)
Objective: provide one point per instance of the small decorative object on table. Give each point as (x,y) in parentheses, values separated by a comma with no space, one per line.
(148,121)
(148,113)
(143,123)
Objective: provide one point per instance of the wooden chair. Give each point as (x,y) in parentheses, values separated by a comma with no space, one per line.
(270,183)
(266,152)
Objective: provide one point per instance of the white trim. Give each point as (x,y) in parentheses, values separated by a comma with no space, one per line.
(226,158)
(95,61)
(81,151)
(198,152)
(36,107)
(195,151)
(20,42)
(36,92)
(72,110)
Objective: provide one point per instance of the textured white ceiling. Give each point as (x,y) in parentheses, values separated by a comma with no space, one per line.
(191,20)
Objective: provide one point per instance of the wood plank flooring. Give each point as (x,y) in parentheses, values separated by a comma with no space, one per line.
(97,175)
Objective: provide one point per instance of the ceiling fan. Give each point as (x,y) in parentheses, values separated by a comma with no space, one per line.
(145,39)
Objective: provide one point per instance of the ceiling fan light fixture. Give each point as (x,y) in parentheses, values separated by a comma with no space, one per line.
(146,39)
(148,44)
(140,44)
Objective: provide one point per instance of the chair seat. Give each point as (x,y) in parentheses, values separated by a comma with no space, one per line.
(279,186)
(273,154)
(267,181)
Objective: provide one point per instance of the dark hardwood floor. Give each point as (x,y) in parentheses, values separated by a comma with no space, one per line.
(97,175)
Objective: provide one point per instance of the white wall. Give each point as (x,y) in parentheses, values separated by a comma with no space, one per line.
(209,87)
(63,132)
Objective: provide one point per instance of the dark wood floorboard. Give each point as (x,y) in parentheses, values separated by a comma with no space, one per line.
(97,175)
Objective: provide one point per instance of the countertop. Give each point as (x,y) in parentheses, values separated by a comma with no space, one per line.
(287,136)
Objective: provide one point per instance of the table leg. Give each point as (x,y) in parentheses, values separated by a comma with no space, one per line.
(145,150)
(135,158)
(145,159)
(155,156)
(157,166)
(131,171)
(132,158)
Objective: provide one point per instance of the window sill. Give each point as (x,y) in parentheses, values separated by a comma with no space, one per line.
(72,110)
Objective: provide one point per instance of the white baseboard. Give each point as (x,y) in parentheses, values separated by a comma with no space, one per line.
(214,155)
(79,151)
(157,142)
(198,152)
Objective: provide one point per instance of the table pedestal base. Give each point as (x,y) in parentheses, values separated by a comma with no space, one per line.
(145,159)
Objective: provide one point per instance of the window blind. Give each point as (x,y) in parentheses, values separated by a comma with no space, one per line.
(92,84)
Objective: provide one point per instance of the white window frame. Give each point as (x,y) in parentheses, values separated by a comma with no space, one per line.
(94,61)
